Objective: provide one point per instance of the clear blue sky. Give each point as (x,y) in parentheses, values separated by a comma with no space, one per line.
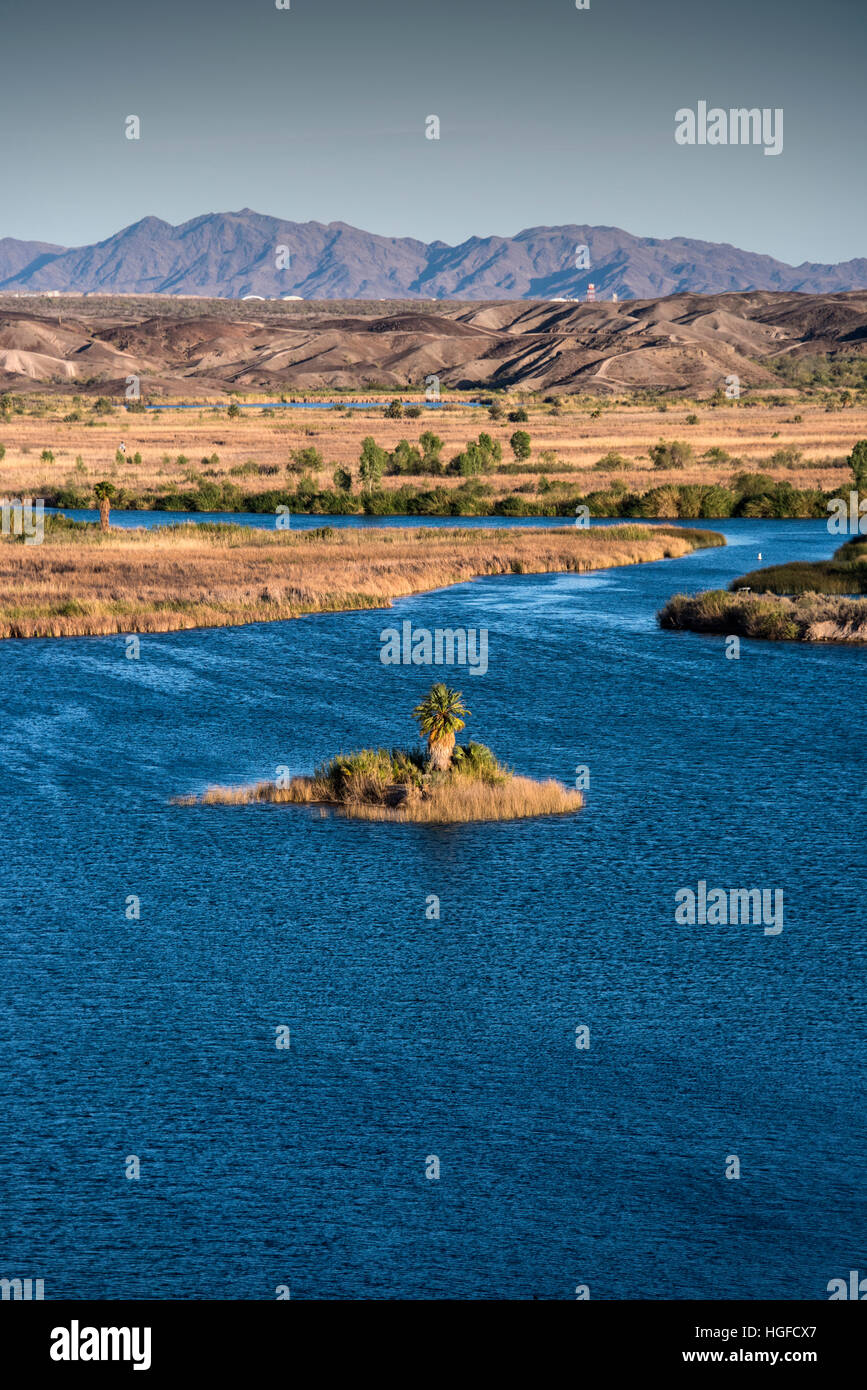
(548,115)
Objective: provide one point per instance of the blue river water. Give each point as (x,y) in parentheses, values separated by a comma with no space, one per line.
(154,1036)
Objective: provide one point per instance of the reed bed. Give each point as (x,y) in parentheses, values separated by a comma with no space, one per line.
(83,582)
(517,799)
(810,617)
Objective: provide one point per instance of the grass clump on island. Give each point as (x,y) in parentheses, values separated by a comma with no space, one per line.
(84,580)
(448,784)
(799,602)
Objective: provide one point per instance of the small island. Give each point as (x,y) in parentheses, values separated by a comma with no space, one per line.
(803,601)
(447,784)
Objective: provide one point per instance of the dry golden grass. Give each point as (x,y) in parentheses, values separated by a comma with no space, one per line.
(453,801)
(298,792)
(470,801)
(751,434)
(83,582)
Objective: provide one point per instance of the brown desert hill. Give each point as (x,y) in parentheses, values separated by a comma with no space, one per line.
(420,323)
(825,318)
(683,342)
(23,369)
(177,338)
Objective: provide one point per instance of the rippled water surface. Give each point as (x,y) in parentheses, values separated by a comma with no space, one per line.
(456,1038)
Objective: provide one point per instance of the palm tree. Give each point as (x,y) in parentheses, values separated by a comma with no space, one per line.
(103,492)
(439,716)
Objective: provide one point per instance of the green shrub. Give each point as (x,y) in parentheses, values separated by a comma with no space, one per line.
(790,457)
(857,461)
(477,761)
(404,458)
(611,462)
(690,498)
(673,455)
(372,463)
(520,444)
(717,502)
(660,501)
(307,460)
(752,484)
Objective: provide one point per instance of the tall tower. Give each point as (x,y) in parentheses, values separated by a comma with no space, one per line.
(591,293)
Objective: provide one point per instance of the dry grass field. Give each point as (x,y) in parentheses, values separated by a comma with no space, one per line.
(81,581)
(177,447)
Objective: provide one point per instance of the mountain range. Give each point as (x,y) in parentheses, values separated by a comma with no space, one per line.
(235,254)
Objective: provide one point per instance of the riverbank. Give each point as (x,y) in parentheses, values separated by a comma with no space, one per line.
(802,601)
(84,582)
(752,495)
(375,784)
